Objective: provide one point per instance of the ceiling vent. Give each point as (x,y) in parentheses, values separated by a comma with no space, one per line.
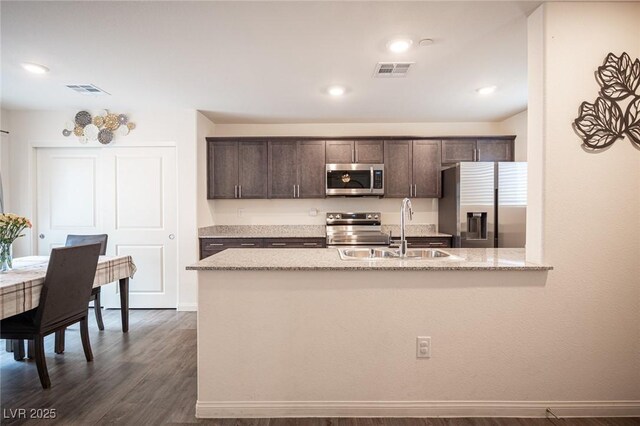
(87,89)
(392,69)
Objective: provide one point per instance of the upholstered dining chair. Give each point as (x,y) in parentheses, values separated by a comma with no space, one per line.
(63,302)
(74,240)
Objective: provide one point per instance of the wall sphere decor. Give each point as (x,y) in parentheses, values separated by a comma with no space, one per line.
(616,111)
(102,127)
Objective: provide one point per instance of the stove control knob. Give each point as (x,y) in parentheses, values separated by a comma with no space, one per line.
(330,216)
(375,217)
(337,216)
(368,216)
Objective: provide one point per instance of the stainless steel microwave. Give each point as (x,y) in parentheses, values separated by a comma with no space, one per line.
(355,179)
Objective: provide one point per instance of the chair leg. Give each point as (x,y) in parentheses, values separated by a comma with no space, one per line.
(31,351)
(9,345)
(59,344)
(18,349)
(97,307)
(41,362)
(84,334)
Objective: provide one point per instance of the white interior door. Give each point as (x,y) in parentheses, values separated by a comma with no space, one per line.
(140,185)
(127,193)
(68,195)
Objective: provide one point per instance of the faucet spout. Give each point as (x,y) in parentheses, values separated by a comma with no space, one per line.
(406,207)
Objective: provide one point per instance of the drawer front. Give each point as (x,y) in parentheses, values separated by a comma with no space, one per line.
(210,246)
(425,242)
(294,242)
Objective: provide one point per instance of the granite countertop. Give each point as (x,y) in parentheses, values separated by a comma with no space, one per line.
(303,231)
(329,259)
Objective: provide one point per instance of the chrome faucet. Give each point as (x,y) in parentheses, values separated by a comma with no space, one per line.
(406,205)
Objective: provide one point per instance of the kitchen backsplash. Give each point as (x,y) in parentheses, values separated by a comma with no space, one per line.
(312,211)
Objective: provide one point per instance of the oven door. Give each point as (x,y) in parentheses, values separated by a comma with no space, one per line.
(355,179)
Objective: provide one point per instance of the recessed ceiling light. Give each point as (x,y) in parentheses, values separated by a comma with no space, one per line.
(399,45)
(336,91)
(35,68)
(486,90)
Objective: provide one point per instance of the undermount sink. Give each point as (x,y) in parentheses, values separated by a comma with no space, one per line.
(388,253)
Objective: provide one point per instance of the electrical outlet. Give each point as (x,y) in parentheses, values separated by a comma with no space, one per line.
(313,212)
(240,212)
(423,347)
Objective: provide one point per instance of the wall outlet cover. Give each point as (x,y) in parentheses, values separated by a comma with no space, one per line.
(423,347)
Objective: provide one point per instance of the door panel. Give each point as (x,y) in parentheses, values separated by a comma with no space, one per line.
(139,205)
(495,150)
(283,158)
(311,169)
(252,169)
(68,202)
(369,152)
(426,169)
(456,150)
(223,159)
(145,228)
(397,169)
(340,152)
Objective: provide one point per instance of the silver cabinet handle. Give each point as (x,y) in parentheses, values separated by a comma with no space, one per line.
(41,236)
(436,244)
(310,244)
(239,191)
(247,244)
(294,191)
(353,154)
(278,244)
(235,191)
(298,190)
(410,190)
(171,236)
(214,244)
(415,190)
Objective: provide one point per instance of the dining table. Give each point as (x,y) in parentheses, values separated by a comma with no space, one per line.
(21,286)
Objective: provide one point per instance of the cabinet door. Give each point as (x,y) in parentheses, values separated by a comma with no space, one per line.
(495,150)
(252,169)
(283,167)
(340,152)
(223,169)
(397,169)
(426,169)
(311,169)
(369,152)
(456,150)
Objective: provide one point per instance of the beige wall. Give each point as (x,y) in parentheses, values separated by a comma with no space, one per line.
(31,129)
(4,158)
(586,214)
(517,125)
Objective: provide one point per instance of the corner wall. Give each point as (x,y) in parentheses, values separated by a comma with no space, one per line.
(585,214)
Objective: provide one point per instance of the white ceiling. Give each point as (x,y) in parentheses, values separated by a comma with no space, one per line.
(269,62)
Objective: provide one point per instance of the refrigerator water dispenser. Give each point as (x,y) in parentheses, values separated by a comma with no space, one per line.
(477,225)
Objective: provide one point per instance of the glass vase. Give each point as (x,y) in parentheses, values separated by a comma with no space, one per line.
(6,259)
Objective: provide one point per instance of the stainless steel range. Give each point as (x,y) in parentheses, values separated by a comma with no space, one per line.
(355,229)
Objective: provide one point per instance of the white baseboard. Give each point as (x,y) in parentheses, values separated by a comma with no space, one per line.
(257,409)
(188,307)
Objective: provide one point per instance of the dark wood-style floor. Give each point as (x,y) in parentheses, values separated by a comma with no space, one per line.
(148,377)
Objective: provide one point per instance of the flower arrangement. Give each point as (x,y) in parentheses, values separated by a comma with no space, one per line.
(11,227)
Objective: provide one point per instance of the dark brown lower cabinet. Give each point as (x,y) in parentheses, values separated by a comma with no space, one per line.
(211,246)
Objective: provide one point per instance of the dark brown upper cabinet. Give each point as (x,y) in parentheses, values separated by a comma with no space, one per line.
(412,169)
(360,151)
(296,169)
(457,150)
(237,169)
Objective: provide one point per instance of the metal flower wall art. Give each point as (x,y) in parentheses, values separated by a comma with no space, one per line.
(102,127)
(616,112)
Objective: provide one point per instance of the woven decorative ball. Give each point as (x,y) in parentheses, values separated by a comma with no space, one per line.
(78,131)
(123,119)
(98,121)
(66,132)
(131,125)
(111,122)
(105,136)
(91,132)
(83,118)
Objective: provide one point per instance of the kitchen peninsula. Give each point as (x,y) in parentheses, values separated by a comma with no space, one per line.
(290,332)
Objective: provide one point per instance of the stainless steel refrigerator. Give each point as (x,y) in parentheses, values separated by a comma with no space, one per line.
(484,204)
